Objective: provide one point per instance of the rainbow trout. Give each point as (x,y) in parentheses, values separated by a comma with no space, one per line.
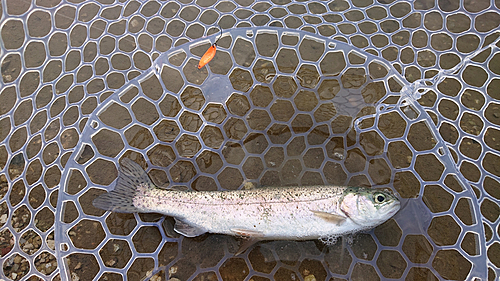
(277,213)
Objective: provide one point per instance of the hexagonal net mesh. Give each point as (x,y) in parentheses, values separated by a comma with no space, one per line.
(362,93)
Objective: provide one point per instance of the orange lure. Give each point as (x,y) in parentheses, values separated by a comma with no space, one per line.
(210,53)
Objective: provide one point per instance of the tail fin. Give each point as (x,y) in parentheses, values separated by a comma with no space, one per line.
(130,177)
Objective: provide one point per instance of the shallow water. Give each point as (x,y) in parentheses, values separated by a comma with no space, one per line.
(274,107)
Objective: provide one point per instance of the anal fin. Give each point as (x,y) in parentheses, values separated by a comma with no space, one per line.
(329,217)
(187,229)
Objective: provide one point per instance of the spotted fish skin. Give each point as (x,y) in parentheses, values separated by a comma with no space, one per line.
(289,213)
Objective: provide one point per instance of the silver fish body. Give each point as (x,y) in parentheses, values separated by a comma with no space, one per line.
(291,213)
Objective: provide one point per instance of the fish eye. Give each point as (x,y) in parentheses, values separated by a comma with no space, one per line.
(379,198)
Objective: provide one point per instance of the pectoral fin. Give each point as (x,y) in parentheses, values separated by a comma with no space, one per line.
(329,217)
(186,229)
(247,233)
